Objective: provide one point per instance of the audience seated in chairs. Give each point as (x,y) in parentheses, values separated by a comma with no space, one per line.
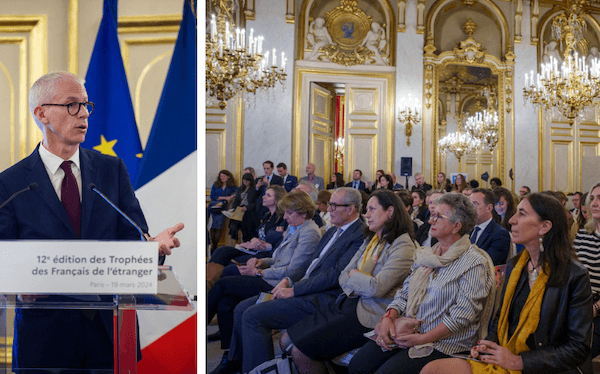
(419,213)
(545,322)
(266,238)
(505,206)
(424,237)
(245,198)
(337,181)
(292,301)
(322,201)
(368,283)
(290,259)
(587,247)
(581,218)
(445,303)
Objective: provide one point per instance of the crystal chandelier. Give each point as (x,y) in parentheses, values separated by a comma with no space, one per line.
(235,63)
(484,127)
(410,113)
(459,143)
(573,84)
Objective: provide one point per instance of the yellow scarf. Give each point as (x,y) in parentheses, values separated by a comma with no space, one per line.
(528,319)
(371,255)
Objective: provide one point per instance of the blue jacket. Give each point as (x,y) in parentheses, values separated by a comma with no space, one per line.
(39,214)
(495,240)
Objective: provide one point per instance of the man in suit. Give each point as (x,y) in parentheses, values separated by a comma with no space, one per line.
(294,301)
(357,183)
(269,178)
(420,183)
(424,232)
(577,205)
(289,181)
(63,207)
(489,235)
(312,178)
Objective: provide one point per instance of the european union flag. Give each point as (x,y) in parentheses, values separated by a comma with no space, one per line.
(112,128)
(173,134)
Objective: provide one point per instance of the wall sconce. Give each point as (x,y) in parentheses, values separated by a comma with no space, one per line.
(410,114)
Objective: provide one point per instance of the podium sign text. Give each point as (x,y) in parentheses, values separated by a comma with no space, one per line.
(78,267)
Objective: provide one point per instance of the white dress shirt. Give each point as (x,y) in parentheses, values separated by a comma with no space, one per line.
(52,163)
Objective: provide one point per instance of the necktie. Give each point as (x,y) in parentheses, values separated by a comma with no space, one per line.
(314,263)
(474,234)
(70,197)
(356,185)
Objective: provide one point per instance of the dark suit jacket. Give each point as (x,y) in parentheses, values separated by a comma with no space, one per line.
(426,187)
(39,214)
(423,232)
(324,277)
(361,185)
(495,240)
(290,183)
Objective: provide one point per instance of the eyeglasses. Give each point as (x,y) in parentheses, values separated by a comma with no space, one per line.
(74,107)
(434,217)
(333,206)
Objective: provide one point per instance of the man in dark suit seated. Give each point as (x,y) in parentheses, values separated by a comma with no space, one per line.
(292,302)
(424,232)
(357,183)
(63,207)
(268,179)
(420,183)
(489,235)
(289,181)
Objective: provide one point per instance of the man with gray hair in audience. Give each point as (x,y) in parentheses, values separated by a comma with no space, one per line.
(293,301)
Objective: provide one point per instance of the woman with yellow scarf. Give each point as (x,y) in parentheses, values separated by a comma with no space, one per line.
(368,282)
(545,322)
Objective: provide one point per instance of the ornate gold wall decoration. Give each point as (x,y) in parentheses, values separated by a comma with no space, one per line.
(290,14)
(469,50)
(347,36)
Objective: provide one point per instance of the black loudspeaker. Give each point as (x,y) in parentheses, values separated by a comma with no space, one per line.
(406,166)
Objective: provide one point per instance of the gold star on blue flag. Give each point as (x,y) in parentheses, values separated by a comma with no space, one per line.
(107,87)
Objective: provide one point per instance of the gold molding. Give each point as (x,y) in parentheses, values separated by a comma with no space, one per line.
(128,43)
(149,24)
(569,144)
(388,13)
(73,36)
(239,136)
(290,14)
(138,85)
(37,27)
(434,11)
(21,41)
(436,64)
(540,122)
(249,10)
(389,110)
(222,133)
(581,149)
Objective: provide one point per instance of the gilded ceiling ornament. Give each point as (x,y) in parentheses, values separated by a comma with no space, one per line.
(469,2)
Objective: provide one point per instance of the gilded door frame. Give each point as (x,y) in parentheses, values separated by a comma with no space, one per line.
(302,78)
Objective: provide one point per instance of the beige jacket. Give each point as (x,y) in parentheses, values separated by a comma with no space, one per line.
(377,291)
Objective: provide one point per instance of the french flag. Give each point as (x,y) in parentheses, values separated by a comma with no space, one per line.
(166,187)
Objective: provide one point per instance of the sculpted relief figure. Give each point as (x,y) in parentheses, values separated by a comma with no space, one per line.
(318,36)
(594,55)
(375,42)
(550,50)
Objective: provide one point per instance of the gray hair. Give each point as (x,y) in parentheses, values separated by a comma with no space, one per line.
(314,193)
(45,88)
(461,210)
(351,196)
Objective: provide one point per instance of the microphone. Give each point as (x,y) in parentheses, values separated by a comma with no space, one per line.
(31,187)
(93,188)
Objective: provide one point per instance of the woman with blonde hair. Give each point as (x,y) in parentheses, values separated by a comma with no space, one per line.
(290,260)
(587,247)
